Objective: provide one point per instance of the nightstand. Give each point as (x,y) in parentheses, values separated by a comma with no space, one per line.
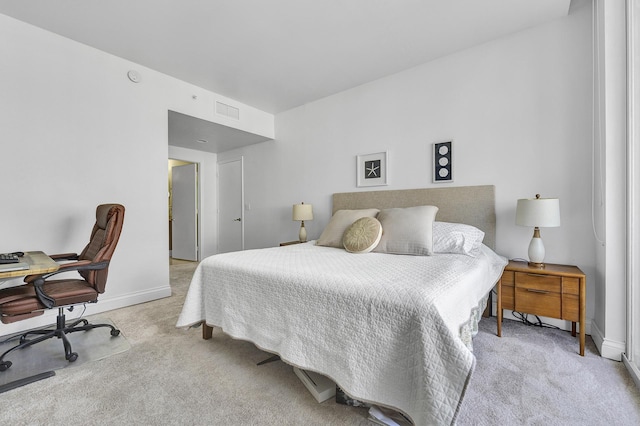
(288,243)
(555,291)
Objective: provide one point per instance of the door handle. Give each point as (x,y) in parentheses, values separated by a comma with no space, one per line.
(238,219)
(533,290)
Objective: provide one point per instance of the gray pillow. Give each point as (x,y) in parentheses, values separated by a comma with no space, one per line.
(340,221)
(407,230)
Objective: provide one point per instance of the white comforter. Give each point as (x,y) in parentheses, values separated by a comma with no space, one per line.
(386,328)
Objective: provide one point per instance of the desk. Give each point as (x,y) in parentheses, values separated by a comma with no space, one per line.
(39,263)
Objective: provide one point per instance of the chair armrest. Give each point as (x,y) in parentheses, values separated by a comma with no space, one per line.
(64,256)
(75,266)
(64,267)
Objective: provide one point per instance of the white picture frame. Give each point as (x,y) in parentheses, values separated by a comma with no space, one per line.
(372,169)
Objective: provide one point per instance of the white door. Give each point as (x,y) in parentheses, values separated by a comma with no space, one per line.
(184,211)
(230,203)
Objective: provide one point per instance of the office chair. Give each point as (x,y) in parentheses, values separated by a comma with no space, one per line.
(39,293)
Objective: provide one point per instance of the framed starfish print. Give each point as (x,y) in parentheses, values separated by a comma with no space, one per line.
(372,169)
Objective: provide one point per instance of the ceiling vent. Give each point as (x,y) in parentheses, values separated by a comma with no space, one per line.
(227,110)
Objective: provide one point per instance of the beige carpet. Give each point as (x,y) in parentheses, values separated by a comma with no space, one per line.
(173,377)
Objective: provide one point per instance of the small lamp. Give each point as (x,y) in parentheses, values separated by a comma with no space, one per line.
(302,212)
(539,213)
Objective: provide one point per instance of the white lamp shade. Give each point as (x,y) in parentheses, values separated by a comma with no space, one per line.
(302,211)
(539,212)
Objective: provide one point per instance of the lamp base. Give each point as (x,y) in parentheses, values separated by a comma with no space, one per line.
(536,250)
(302,235)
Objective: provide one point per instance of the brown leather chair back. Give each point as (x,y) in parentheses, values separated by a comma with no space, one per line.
(104,238)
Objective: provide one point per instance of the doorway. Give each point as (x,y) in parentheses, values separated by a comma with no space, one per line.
(183,210)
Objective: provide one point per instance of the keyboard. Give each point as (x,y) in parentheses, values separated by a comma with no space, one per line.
(8,258)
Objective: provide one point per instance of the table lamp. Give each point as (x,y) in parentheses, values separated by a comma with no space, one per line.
(539,213)
(302,212)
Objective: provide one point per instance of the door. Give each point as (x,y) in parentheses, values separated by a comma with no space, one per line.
(230,206)
(184,211)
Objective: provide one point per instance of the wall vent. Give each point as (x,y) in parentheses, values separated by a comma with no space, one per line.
(227,110)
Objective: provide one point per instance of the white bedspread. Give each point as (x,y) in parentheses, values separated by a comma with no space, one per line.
(384,327)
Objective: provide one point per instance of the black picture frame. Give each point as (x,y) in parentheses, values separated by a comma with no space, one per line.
(442,162)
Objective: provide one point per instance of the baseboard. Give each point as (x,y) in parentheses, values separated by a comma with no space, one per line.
(108,304)
(104,304)
(633,370)
(608,348)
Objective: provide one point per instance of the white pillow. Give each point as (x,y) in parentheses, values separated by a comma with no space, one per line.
(363,235)
(340,221)
(407,230)
(456,238)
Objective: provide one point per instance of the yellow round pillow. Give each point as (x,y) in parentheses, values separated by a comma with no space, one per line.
(363,235)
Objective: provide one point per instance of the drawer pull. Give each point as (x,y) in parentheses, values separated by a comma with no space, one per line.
(538,275)
(533,290)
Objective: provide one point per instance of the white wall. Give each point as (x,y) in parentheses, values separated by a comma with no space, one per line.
(75,132)
(517,109)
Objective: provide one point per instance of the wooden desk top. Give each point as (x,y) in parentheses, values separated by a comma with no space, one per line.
(39,263)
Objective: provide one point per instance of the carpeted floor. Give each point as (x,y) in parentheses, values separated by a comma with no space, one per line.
(169,376)
(535,376)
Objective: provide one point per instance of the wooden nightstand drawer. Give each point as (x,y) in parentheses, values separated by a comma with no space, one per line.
(508,296)
(570,299)
(538,302)
(571,307)
(539,282)
(570,286)
(508,278)
(508,289)
(538,294)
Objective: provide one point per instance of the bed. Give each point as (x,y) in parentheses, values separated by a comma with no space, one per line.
(389,329)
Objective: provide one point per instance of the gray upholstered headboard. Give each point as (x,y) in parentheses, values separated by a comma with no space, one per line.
(473,205)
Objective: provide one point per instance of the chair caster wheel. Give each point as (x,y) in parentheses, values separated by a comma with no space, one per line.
(115,333)
(72,357)
(4,365)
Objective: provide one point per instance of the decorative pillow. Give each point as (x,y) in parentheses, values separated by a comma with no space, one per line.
(456,238)
(340,221)
(363,235)
(407,230)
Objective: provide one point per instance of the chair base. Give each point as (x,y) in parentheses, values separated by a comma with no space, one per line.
(61,330)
